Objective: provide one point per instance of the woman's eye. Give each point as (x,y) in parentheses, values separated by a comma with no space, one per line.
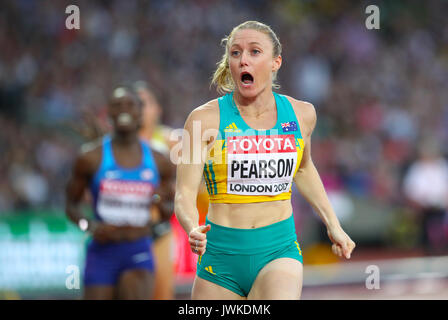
(234,53)
(255,51)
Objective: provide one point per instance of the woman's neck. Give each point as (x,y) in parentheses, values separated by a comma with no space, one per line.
(125,138)
(147,132)
(256,106)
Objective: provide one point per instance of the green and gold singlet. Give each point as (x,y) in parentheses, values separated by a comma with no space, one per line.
(248,165)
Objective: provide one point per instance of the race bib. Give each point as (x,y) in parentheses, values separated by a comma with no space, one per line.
(124,202)
(260,165)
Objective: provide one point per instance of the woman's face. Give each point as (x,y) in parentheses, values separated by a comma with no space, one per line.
(124,111)
(251,62)
(151,108)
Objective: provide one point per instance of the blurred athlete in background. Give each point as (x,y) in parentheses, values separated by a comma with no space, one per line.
(167,243)
(157,136)
(127,181)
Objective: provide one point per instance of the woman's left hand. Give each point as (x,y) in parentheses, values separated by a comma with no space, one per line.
(342,244)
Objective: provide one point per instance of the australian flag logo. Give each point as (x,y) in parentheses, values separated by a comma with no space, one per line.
(289,126)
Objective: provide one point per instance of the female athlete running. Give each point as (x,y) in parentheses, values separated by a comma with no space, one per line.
(123,175)
(256,143)
(157,137)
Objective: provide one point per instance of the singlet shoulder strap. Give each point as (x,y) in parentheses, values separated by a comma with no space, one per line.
(108,155)
(107,162)
(227,111)
(148,158)
(286,112)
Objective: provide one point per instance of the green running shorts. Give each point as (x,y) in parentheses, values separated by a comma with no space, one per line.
(233,257)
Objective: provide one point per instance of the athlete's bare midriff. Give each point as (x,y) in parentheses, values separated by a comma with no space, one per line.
(249,215)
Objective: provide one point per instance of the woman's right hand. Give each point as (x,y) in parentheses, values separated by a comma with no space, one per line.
(198,239)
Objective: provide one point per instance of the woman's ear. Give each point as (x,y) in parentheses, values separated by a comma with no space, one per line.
(277,63)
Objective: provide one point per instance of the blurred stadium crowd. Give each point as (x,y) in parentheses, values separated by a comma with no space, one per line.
(381,95)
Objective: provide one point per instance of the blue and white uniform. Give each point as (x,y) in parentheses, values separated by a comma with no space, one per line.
(122,196)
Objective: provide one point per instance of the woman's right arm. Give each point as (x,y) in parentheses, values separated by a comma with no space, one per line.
(82,172)
(189,174)
(84,167)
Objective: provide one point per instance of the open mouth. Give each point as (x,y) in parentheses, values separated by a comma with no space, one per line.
(124,119)
(246,78)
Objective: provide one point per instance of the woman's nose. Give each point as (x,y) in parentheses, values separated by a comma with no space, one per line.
(244,58)
(125,107)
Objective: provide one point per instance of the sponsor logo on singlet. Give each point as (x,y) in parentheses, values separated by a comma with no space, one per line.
(113,174)
(260,165)
(232,128)
(124,202)
(147,174)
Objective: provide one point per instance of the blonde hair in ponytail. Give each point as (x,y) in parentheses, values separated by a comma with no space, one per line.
(222,77)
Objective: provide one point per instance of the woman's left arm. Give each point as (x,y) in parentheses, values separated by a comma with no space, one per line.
(310,185)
